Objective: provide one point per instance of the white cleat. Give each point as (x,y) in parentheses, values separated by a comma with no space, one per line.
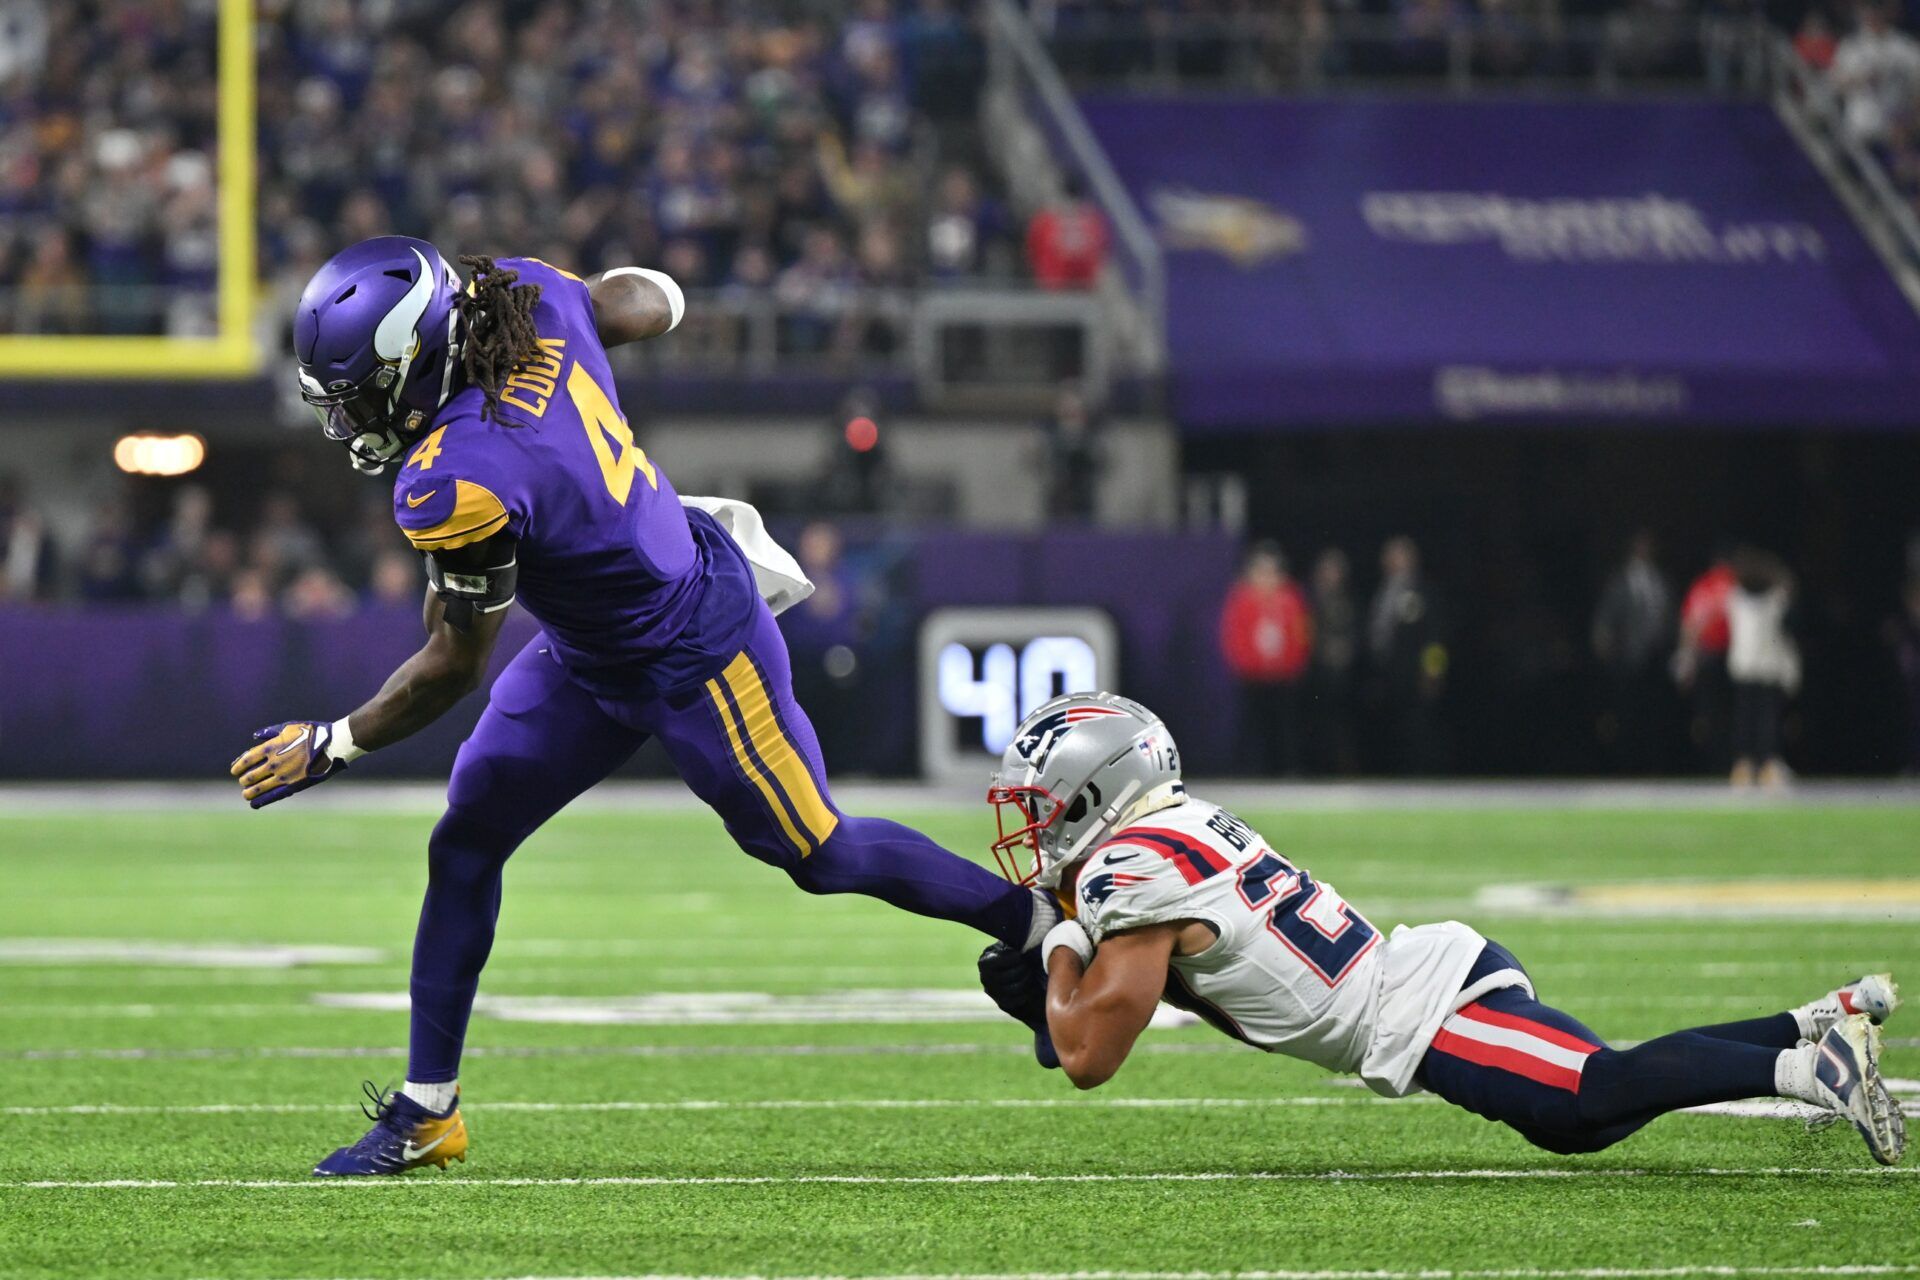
(1846,1076)
(1876,995)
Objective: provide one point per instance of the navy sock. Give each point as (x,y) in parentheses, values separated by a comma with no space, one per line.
(1779,1031)
(1685,1069)
(898,865)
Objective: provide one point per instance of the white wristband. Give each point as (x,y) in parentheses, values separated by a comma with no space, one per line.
(676,300)
(1069,934)
(341,745)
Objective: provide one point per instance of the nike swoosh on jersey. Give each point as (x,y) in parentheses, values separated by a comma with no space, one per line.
(414,502)
(1121,857)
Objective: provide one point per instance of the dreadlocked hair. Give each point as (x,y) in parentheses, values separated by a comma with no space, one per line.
(498,313)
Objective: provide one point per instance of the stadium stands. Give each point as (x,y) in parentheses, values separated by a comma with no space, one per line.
(819,175)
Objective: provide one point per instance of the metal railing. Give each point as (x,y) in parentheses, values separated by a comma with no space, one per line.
(975,344)
(1277,49)
(1814,111)
(1041,141)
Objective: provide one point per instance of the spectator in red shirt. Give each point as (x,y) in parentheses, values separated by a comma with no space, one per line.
(1266,635)
(1067,243)
(1815,41)
(1700,664)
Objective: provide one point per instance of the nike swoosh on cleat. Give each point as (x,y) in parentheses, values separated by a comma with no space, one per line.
(411,1152)
(414,502)
(1843,1071)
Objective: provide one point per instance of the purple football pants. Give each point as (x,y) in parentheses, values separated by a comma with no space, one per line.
(740,742)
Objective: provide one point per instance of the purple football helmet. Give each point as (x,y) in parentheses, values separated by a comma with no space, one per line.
(375,337)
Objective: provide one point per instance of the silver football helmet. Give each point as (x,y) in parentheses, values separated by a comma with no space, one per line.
(1079,768)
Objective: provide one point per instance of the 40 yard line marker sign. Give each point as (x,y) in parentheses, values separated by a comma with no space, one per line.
(229,352)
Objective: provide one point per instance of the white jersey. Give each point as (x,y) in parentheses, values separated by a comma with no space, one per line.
(1295,970)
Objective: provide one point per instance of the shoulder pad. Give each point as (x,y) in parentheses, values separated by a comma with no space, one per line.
(436,503)
(1188,855)
(1125,885)
(444,514)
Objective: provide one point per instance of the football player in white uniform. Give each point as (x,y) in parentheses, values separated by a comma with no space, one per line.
(1177,899)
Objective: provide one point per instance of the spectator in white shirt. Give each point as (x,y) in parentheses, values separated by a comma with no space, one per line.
(1877,72)
(1764,662)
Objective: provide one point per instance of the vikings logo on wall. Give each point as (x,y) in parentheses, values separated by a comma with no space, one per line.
(1047,731)
(1246,230)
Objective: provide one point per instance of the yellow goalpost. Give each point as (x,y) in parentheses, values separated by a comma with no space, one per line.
(230,352)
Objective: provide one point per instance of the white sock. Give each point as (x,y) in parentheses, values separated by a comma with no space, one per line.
(434,1097)
(1046,914)
(1793,1074)
(1816,1016)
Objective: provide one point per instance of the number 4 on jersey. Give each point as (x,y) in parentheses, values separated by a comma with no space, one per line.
(1313,921)
(608,433)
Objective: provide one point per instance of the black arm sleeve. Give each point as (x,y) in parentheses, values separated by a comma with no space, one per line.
(477,578)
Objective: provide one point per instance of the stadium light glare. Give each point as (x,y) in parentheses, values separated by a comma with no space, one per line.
(151,454)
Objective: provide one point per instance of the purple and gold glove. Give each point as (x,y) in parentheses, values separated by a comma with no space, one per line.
(286,758)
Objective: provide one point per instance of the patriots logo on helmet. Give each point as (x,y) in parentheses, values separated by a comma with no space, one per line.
(1047,730)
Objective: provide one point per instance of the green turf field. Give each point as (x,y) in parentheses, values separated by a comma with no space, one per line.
(789,1128)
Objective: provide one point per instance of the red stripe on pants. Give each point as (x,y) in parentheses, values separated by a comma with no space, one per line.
(1505,1059)
(1513,1022)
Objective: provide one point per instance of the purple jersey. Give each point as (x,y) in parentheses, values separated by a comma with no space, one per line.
(638,594)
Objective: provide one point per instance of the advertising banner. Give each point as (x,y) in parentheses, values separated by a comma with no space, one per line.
(1356,261)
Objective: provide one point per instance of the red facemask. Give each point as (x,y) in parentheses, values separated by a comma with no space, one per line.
(1030,802)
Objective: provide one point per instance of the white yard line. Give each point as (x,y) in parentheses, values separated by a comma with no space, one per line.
(742,1104)
(1645,934)
(504,975)
(180,1009)
(24,977)
(198,955)
(932,1049)
(921,1007)
(27,800)
(506,971)
(860,1006)
(850,1006)
(946,1179)
(958,1048)
(1437,1273)
(500,974)
(1757,1108)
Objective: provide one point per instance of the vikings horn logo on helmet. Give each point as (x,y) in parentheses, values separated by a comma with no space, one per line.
(397,339)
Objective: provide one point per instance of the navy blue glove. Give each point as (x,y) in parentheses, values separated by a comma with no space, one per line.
(286,758)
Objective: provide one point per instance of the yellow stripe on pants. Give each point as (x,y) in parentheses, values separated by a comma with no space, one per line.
(752,771)
(777,750)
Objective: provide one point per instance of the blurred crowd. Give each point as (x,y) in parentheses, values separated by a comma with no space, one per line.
(1279,41)
(1871,59)
(1336,676)
(188,553)
(821,156)
(108,118)
(1700,680)
(748,147)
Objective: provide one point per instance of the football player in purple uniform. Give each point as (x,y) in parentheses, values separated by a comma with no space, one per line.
(520,479)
